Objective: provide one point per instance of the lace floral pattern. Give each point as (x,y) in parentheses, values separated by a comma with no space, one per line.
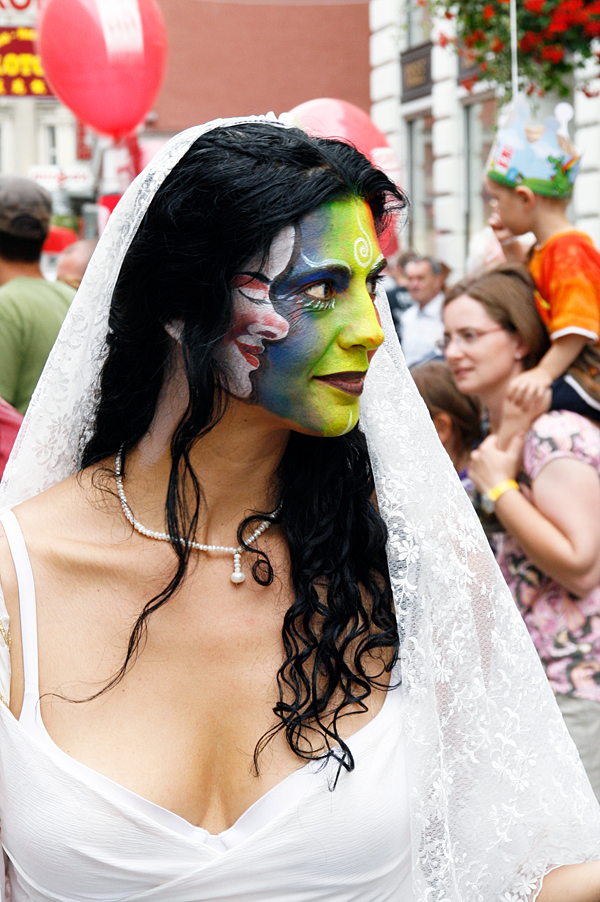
(497,793)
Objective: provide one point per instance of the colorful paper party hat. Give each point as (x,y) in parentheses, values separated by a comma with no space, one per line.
(548,164)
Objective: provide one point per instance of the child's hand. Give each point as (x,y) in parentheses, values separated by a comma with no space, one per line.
(489,466)
(511,246)
(530,390)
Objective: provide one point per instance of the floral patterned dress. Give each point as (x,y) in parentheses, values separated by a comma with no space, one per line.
(565,629)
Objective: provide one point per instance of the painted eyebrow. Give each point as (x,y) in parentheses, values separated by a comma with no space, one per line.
(324,269)
(259,276)
(379,265)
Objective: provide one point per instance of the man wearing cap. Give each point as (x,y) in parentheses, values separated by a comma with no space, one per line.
(31,309)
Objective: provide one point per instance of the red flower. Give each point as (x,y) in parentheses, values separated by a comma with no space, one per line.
(553,53)
(560,21)
(497,45)
(534,6)
(469,83)
(443,39)
(448,14)
(476,37)
(488,11)
(529,41)
(569,13)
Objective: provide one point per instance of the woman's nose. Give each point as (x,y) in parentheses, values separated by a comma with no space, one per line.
(363,327)
(453,349)
(270,325)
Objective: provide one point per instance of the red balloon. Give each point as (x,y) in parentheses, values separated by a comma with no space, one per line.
(106,61)
(329,118)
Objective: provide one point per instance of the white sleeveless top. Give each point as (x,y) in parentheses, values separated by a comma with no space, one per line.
(71,834)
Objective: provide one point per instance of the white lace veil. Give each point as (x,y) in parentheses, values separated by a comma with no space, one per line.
(497,793)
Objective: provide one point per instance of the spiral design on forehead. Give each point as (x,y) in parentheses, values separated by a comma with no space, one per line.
(363,247)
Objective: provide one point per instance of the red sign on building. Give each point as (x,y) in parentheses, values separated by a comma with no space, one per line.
(84,141)
(21,73)
(18,6)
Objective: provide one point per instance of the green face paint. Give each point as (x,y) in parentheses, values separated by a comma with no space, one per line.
(314,376)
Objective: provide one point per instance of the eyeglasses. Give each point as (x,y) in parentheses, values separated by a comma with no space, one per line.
(464,338)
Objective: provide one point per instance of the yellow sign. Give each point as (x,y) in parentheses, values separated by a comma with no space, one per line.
(21,72)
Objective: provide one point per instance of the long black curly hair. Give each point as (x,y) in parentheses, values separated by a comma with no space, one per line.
(222,205)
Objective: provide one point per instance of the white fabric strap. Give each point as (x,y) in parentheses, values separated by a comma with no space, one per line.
(27,607)
(4,653)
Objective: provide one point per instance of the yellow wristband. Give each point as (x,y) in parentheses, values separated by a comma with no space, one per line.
(498,490)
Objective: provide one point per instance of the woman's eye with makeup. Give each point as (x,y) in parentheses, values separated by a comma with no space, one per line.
(256,295)
(253,289)
(320,296)
(373,282)
(322,291)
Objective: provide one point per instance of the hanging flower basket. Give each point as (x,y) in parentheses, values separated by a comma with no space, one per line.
(555,38)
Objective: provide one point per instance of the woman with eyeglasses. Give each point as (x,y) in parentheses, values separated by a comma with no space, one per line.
(544,490)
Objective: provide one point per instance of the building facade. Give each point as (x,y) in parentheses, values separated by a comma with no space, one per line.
(225,59)
(442,133)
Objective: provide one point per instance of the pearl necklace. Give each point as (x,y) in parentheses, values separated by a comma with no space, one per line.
(237,577)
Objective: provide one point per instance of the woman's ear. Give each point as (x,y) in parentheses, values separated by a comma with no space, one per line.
(174,328)
(522,349)
(443,427)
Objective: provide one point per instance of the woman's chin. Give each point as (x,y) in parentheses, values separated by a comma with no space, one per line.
(331,425)
(465,383)
(344,422)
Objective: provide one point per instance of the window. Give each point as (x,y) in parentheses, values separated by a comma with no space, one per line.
(480,120)
(420,169)
(52,156)
(418,23)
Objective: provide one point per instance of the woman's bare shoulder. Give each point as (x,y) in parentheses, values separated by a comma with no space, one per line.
(74,509)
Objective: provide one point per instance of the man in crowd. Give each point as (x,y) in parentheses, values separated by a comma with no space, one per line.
(396,287)
(31,309)
(421,324)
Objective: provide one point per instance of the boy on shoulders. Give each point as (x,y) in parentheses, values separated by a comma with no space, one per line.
(530,175)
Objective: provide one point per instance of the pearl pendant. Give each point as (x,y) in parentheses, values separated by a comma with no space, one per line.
(237,577)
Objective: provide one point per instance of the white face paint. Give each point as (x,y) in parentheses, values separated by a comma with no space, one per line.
(254,319)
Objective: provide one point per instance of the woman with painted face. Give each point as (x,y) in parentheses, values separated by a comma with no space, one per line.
(545,495)
(260,650)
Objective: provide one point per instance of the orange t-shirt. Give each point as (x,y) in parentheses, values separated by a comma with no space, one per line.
(566,270)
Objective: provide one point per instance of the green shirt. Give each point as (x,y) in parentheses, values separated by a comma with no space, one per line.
(31,314)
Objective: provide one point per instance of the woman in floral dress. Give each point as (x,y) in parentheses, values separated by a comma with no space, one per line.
(544,490)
